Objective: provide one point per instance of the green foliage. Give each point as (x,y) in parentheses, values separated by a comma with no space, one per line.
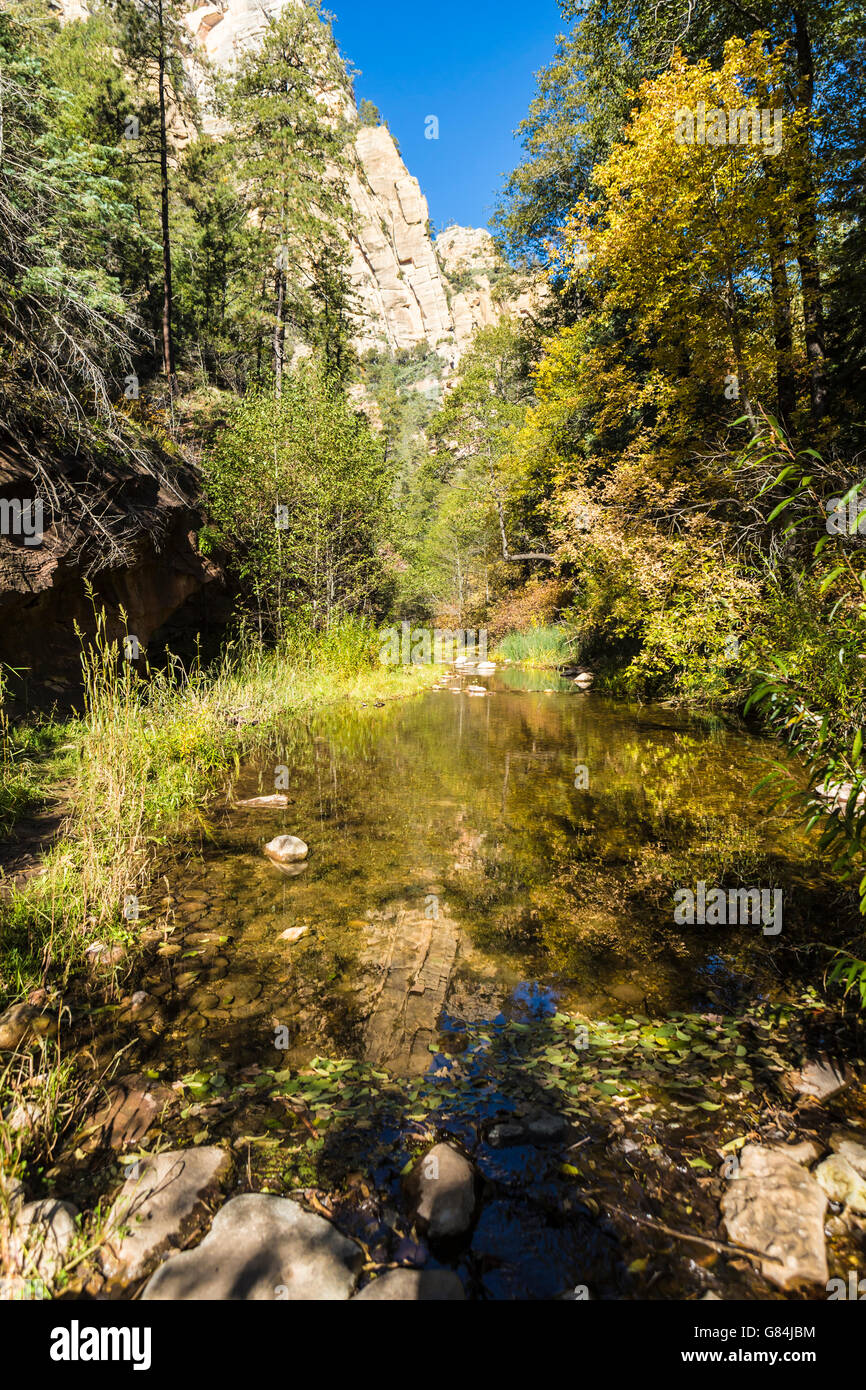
(368,113)
(308,453)
(289,151)
(537,646)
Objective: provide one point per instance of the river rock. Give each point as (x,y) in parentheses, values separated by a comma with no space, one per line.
(775,1206)
(102,956)
(293,934)
(842,1183)
(413,1285)
(820,1079)
(851,1148)
(23,1117)
(262,1247)
(41,1238)
(441,1186)
(286,849)
(161,1204)
(15,1024)
(255,803)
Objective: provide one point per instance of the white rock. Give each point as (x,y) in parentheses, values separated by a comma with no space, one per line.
(286,849)
(293,934)
(262,1248)
(254,803)
(842,1183)
(775,1206)
(162,1203)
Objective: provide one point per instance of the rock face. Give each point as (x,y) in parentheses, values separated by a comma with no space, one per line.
(410,290)
(481,288)
(775,1206)
(141,558)
(160,1206)
(262,1248)
(442,1189)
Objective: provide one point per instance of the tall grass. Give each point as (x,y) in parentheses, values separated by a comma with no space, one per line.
(538,646)
(148,751)
(152,747)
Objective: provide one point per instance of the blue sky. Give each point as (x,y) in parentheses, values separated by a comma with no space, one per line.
(469,62)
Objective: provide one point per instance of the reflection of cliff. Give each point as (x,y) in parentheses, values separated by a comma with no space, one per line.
(414,955)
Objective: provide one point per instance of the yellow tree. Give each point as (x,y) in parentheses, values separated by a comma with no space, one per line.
(689,234)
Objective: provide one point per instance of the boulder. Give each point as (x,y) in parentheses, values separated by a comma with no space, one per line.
(286,849)
(41,1238)
(15,1025)
(262,1247)
(441,1186)
(820,1078)
(413,1285)
(773,1205)
(162,1203)
(842,1182)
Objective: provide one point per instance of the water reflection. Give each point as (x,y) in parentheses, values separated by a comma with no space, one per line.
(459,864)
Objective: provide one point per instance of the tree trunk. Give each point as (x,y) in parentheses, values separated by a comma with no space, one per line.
(278,335)
(783,334)
(807,231)
(167,343)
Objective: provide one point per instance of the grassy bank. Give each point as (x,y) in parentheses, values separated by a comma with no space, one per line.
(141,760)
(538,647)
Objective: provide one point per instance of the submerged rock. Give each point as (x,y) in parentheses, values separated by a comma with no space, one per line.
(286,849)
(293,934)
(260,1248)
(161,1204)
(842,1183)
(820,1079)
(255,803)
(413,1285)
(775,1206)
(441,1186)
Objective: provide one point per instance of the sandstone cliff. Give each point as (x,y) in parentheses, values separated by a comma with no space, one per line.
(409,289)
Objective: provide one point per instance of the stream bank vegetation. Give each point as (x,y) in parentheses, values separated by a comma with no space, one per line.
(642,475)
